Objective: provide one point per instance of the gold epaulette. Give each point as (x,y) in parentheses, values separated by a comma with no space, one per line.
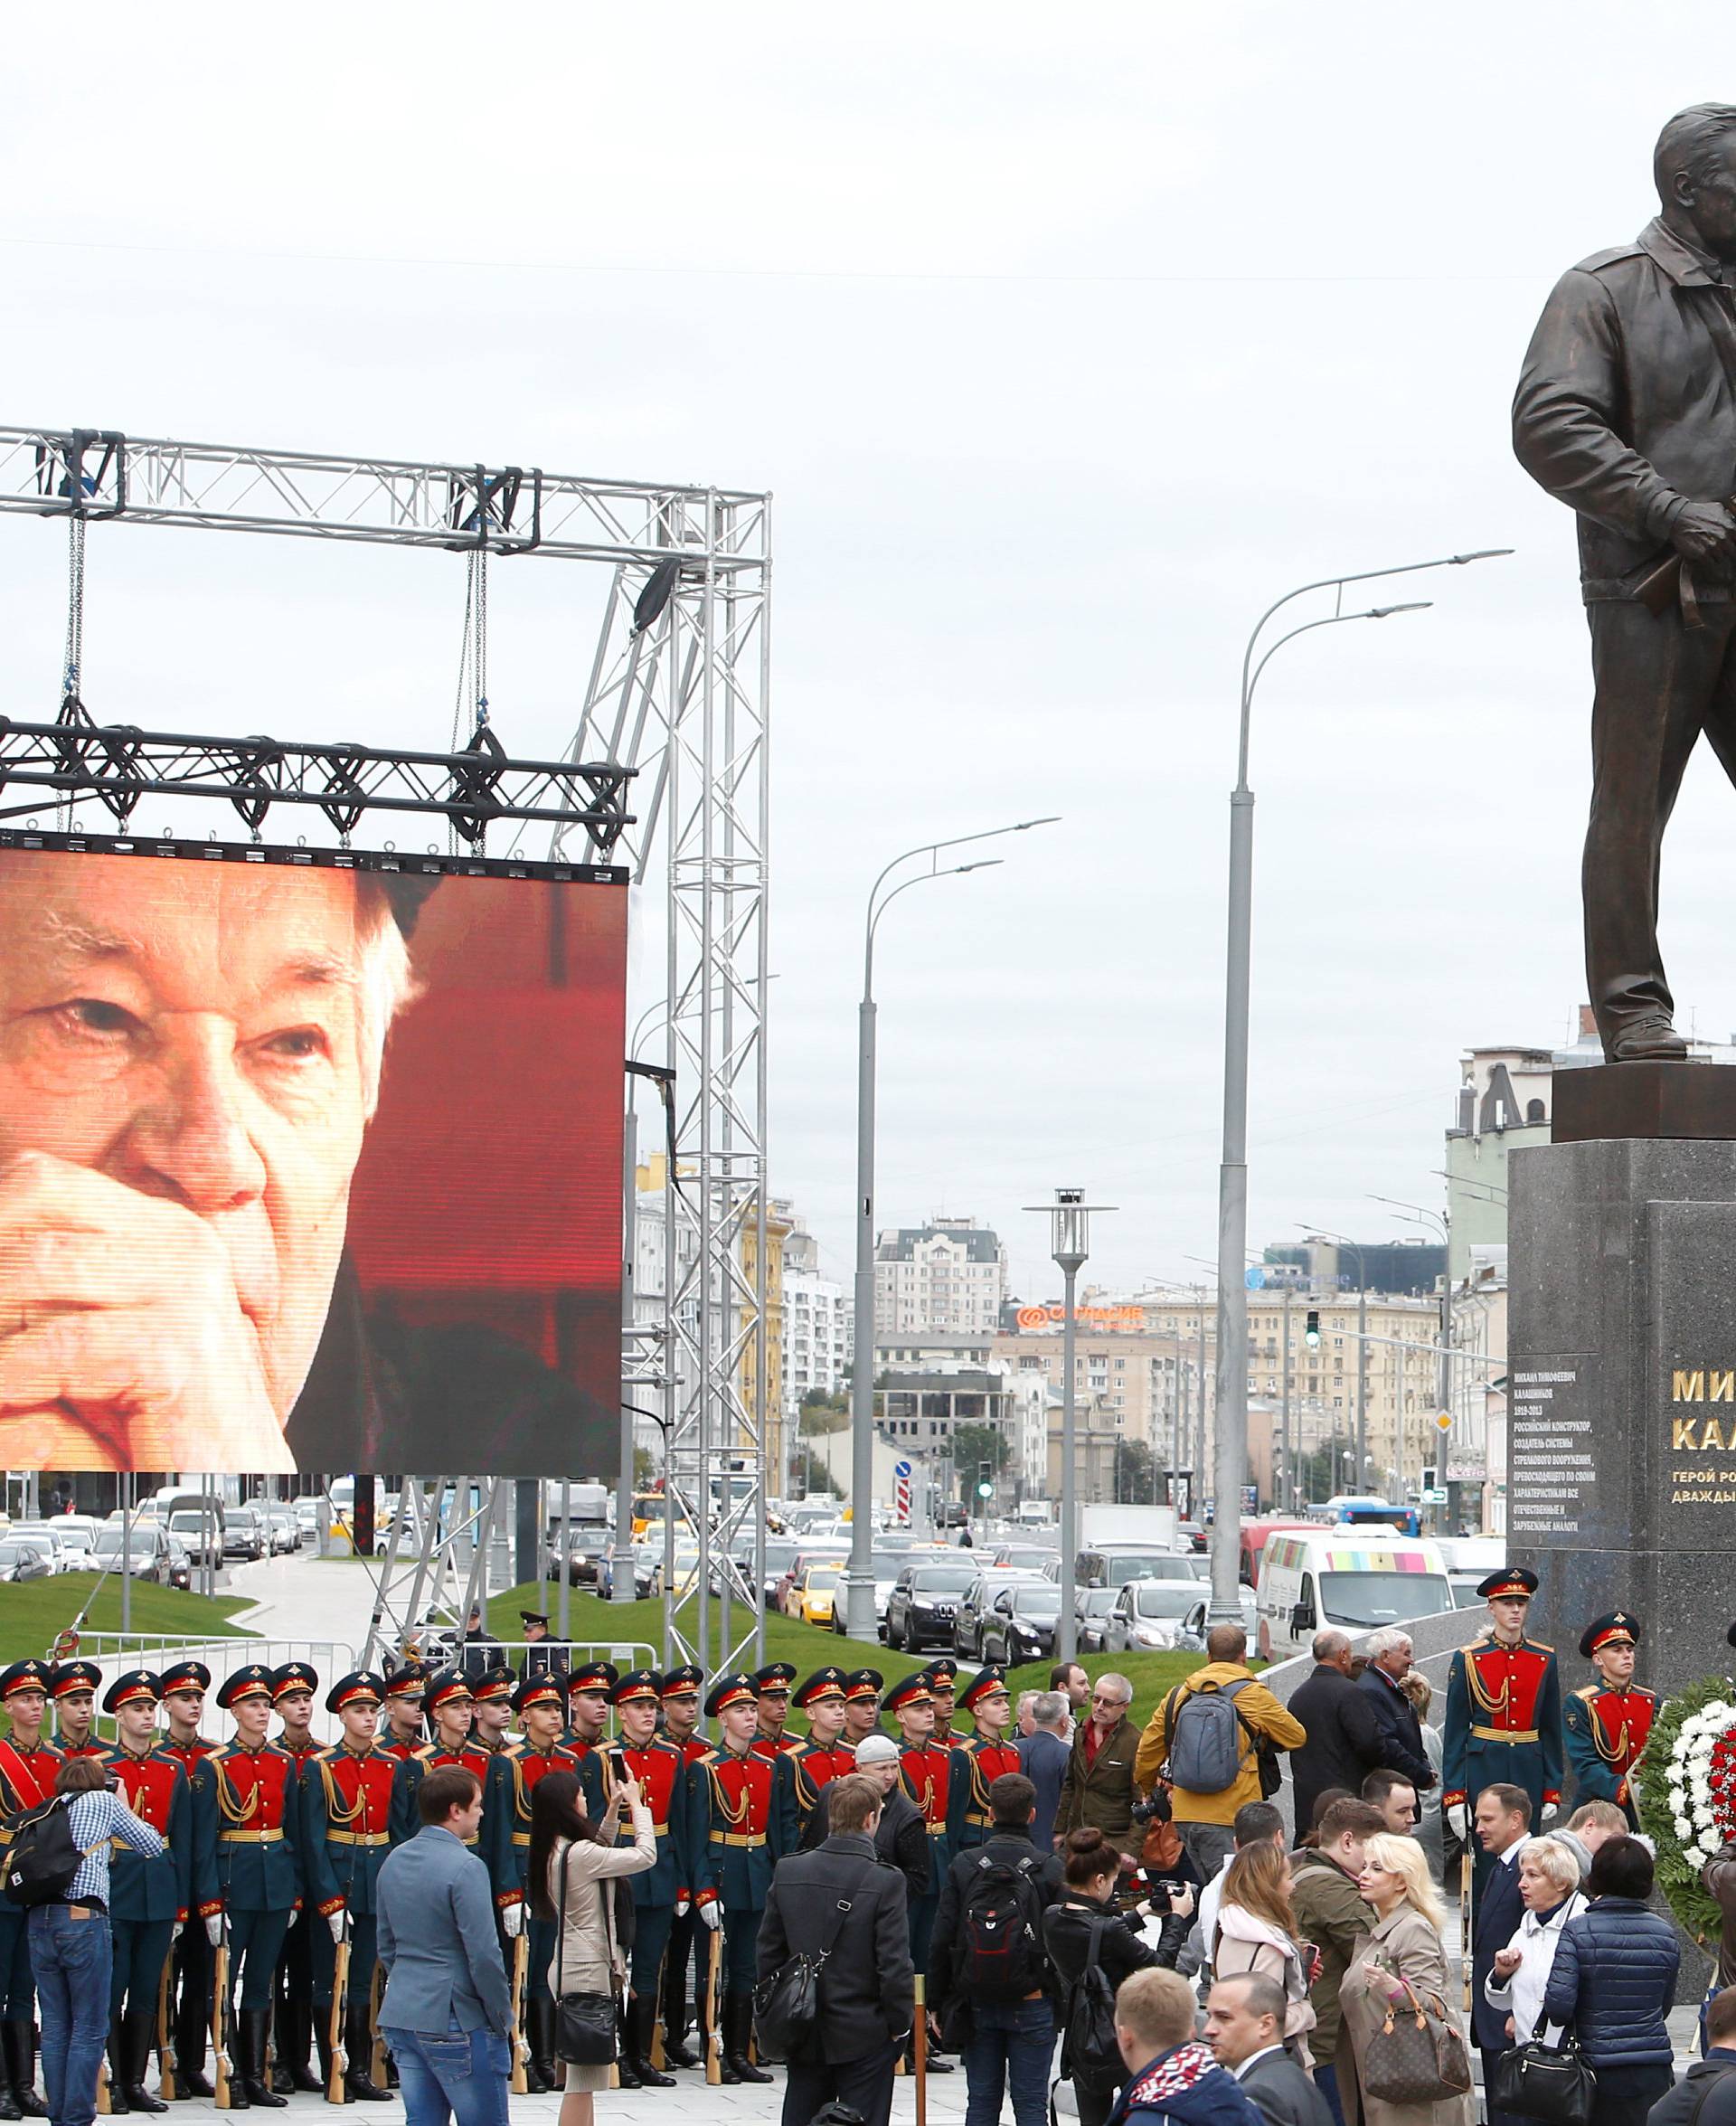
(1589,1692)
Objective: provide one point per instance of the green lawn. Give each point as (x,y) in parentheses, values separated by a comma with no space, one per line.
(607,1623)
(1151,1675)
(33,1615)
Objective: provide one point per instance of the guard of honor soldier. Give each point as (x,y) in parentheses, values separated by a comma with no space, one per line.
(980,1759)
(1607,1721)
(1503,1721)
(732,1866)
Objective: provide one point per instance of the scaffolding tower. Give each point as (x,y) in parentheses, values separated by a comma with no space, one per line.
(678,692)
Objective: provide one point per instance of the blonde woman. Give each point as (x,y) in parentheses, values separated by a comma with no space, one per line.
(1549,1889)
(1405,1946)
(1256,1931)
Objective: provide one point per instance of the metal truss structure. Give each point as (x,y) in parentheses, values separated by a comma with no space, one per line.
(678,692)
(75,758)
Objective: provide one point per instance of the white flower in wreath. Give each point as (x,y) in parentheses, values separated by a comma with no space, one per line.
(1711,1843)
(1684,1828)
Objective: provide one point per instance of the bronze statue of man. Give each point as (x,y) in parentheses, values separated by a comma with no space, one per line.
(1627,411)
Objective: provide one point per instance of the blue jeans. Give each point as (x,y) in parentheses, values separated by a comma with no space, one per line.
(1009,2045)
(451,2073)
(73,1958)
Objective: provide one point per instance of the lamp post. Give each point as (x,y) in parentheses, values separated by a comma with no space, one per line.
(1070,1242)
(859,1580)
(1231,1402)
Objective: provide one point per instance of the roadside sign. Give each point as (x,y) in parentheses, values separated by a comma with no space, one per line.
(1444,1422)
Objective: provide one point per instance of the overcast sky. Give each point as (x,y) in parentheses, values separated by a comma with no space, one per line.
(1066,340)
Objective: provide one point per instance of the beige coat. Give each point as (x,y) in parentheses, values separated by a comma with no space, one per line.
(588,1943)
(1405,1943)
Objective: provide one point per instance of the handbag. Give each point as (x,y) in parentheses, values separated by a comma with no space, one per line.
(585,2029)
(1540,2081)
(787,2002)
(1417,2054)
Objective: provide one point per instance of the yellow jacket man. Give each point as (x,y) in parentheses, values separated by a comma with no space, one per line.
(1204,1818)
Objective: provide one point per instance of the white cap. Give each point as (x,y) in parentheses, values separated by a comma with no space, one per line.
(875,1749)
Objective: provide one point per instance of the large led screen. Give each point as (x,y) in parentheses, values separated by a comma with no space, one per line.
(308,1161)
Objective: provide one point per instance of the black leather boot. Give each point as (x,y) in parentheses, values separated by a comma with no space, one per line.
(676,2024)
(358,2045)
(192,2031)
(737,2027)
(541,2067)
(250,2024)
(19,2040)
(626,2065)
(301,2075)
(323,2046)
(137,2032)
(641,2018)
(118,2103)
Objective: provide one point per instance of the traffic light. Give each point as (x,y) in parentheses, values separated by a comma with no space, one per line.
(1311,1334)
(985,1479)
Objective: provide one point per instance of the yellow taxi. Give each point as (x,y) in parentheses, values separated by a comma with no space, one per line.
(813,1597)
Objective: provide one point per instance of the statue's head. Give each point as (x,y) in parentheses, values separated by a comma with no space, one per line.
(1695,167)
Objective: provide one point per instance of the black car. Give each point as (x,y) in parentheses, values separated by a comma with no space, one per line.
(245,1533)
(968,1619)
(924,1601)
(21,1559)
(1021,1624)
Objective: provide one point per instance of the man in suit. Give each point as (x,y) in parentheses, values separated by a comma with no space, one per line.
(1500,1825)
(445,1973)
(1244,2027)
(843,1897)
(1344,1727)
(1390,1654)
(1043,1754)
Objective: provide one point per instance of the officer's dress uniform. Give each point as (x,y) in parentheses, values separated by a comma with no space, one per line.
(257,1793)
(678,1958)
(660,1771)
(191,1977)
(27,1777)
(293,1987)
(346,1813)
(774,1679)
(1606,1729)
(406,1822)
(514,1776)
(71,1677)
(976,1764)
(799,1774)
(146,1897)
(1503,1724)
(734,1869)
(925,1773)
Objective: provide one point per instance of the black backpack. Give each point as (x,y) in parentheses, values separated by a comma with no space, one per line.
(1090,2058)
(999,1957)
(43,1858)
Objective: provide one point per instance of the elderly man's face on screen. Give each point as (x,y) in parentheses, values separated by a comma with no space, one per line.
(189,1055)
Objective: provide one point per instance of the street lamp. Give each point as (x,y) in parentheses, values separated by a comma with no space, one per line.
(1232,1175)
(859,1580)
(1070,1242)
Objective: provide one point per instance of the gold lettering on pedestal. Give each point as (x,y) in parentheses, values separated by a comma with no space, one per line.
(1688,1387)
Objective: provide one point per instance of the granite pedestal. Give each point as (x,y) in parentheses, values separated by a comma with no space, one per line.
(1621,1484)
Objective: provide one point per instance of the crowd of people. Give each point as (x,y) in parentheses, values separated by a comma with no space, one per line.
(1056,1888)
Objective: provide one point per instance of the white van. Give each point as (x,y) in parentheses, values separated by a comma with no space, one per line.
(1359,1579)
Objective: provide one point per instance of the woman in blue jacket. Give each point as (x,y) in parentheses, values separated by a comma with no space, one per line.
(1612,1982)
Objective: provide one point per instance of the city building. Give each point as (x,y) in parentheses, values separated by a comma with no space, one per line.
(819,1340)
(947,1278)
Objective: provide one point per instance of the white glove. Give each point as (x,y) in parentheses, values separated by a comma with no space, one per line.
(177,1932)
(712,1914)
(1552,1811)
(215,1930)
(512,1920)
(1458,1820)
(335,1919)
